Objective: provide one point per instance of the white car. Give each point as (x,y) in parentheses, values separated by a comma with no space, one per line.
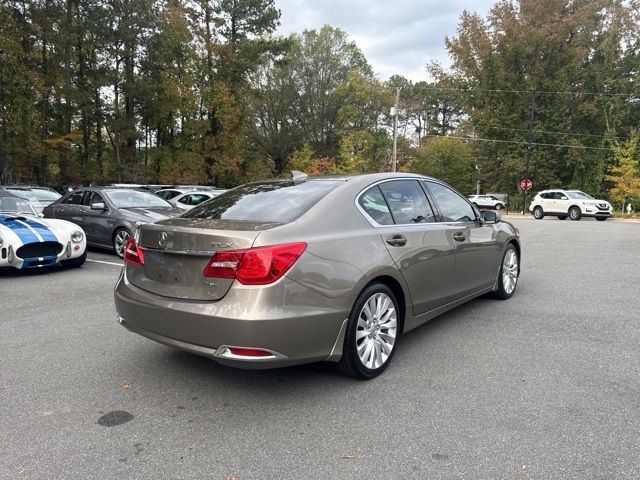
(569,203)
(188,200)
(486,201)
(28,241)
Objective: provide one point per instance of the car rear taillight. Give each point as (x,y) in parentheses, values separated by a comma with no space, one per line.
(133,254)
(255,266)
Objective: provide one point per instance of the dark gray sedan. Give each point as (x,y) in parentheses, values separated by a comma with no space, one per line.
(109,216)
(284,272)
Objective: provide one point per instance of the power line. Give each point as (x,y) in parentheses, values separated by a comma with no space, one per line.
(547,132)
(521,143)
(560,92)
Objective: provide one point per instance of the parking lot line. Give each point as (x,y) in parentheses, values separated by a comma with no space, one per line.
(105,263)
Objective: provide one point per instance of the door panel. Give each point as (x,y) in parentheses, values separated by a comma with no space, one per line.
(96,223)
(475,243)
(476,257)
(422,250)
(68,208)
(427,262)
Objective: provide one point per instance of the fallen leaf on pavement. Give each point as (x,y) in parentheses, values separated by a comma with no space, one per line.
(126,385)
(348,457)
(193,445)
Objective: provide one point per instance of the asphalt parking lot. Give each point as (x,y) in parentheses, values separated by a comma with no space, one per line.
(545,385)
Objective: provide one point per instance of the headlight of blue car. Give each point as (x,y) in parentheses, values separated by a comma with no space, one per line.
(77,236)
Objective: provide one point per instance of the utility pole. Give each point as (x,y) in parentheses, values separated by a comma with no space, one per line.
(532,119)
(394,112)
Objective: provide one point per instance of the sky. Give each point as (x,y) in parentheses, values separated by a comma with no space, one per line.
(396,36)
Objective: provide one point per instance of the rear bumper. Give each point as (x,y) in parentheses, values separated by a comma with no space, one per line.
(287,319)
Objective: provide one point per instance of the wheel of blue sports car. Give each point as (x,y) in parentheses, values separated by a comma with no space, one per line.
(120,237)
(538,214)
(372,333)
(509,273)
(75,262)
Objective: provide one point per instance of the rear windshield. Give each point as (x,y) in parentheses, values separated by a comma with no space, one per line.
(269,202)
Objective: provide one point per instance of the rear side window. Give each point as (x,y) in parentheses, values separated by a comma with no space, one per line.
(407,201)
(74,199)
(268,202)
(374,204)
(454,208)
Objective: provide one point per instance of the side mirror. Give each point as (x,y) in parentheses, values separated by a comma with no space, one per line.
(98,206)
(489,216)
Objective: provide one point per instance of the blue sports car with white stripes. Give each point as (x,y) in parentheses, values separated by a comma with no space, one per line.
(27,241)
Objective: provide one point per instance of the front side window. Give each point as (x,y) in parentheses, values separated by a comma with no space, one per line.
(374,204)
(453,207)
(91,198)
(579,196)
(407,202)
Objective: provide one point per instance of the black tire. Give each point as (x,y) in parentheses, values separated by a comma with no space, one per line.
(75,262)
(575,213)
(118,234)
(538,213)
(350,363)
(562,217)
(499,206)
(601,219)
(501,292)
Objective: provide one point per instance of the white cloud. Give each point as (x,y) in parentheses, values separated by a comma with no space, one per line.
(397,36)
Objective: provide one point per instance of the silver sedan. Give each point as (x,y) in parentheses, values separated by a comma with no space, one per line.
(309,269)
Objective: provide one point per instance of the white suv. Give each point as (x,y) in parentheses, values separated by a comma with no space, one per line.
(569,203)
(486,201)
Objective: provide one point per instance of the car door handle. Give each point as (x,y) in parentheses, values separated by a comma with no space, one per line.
(396,240)
(459,237)
(83,211)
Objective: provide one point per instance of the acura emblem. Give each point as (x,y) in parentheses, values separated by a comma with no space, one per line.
(162,241)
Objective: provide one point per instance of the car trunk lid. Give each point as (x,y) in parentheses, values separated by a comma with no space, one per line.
(176,252)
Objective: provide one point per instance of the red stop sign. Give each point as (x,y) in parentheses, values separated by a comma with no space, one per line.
(526,184)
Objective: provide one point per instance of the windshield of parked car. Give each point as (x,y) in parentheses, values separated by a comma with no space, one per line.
(268,202)
(134,199)
(15,206)
(44,195)
(579,196)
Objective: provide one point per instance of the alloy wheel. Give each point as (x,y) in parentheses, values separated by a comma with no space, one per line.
(510,271)
(376,331)
(120,241)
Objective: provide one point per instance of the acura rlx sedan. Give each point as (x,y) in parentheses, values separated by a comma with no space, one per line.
(110,215)
(285,272)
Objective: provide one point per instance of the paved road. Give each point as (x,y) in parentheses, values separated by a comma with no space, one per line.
(545,385)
